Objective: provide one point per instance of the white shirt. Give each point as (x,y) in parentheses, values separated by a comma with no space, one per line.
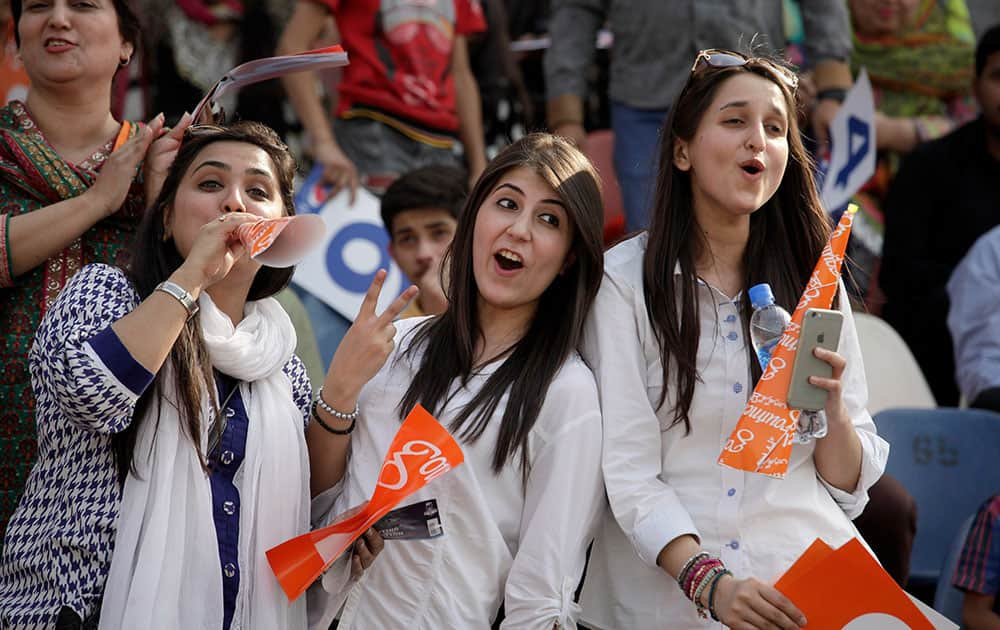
(973,316)
(504,542)
(662,484)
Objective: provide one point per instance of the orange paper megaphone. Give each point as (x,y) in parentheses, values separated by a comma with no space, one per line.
(422,451)
(762,439)
(284,241)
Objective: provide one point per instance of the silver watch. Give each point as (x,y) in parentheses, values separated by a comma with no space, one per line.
(181,295)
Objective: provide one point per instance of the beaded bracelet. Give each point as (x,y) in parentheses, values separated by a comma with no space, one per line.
(711,592)
(682,576)
(696,575)
(702,576)
(699,575)
(347,431)
(707,580)
(340,415)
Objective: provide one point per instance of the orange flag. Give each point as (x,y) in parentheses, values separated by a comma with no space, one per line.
(762,439)
(835,587)
(422,451)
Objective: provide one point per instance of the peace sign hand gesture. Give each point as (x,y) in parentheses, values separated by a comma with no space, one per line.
(365,347)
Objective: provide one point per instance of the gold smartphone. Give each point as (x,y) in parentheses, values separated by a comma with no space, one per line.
(820,328)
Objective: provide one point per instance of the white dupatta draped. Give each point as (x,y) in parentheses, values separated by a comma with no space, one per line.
(165,572)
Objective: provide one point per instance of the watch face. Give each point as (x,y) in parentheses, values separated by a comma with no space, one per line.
(181,295)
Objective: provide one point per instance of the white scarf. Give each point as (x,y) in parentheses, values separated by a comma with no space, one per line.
(165,571)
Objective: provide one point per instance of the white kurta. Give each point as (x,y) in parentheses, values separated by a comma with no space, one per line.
(504,542)
(662,484)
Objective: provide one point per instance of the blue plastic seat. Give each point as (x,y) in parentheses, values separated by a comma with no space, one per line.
(947,598)
(949,460)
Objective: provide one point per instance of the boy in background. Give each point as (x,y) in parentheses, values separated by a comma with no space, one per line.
(420,211)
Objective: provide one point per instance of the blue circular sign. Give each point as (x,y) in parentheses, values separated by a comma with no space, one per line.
(337,267)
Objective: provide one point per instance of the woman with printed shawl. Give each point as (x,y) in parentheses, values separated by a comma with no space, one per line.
(919,58)
(71,190)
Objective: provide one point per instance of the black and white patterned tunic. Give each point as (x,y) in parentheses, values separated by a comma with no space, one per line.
(58,547)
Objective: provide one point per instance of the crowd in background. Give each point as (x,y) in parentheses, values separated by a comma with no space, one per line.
(434,92)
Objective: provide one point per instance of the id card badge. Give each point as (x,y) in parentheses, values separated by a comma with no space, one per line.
(417,521)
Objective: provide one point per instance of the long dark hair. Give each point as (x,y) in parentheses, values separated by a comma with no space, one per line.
(556,327)
(786,237)
(155,257)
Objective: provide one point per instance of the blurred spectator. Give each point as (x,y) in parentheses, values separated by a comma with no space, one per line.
(978,571)
(654,43)
(407,92)
(527,17)
(420,211)
(505,102)
(528,22)
(13,78)
(919,57)
(73,184)
(974,322)
(945,196)
(191,44)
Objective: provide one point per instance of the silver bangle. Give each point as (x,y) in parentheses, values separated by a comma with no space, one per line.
(180,294)
(333,412)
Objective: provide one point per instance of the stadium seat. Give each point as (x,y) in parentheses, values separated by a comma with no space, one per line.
(947,459)
(600,150)
(947,598)
(894,378)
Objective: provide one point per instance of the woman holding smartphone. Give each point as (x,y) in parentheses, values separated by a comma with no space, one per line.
(499,368)
(736,205)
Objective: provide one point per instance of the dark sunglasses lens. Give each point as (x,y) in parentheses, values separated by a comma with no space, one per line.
(725,60)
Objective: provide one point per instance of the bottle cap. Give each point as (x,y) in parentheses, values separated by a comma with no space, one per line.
(760,295)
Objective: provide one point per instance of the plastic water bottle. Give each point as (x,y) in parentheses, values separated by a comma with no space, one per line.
(767,322)
(766,327)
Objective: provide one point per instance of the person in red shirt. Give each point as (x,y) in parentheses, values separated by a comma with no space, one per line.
(406,96)
(13,77)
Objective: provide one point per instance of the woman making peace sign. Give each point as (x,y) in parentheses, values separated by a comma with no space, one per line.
(500,369)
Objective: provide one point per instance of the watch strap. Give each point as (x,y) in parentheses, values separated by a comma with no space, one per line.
(181,295)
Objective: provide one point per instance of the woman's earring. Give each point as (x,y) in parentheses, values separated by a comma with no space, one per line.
(122,64)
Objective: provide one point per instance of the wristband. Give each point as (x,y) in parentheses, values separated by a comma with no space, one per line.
(833,94)
(328,428)
(711,592)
